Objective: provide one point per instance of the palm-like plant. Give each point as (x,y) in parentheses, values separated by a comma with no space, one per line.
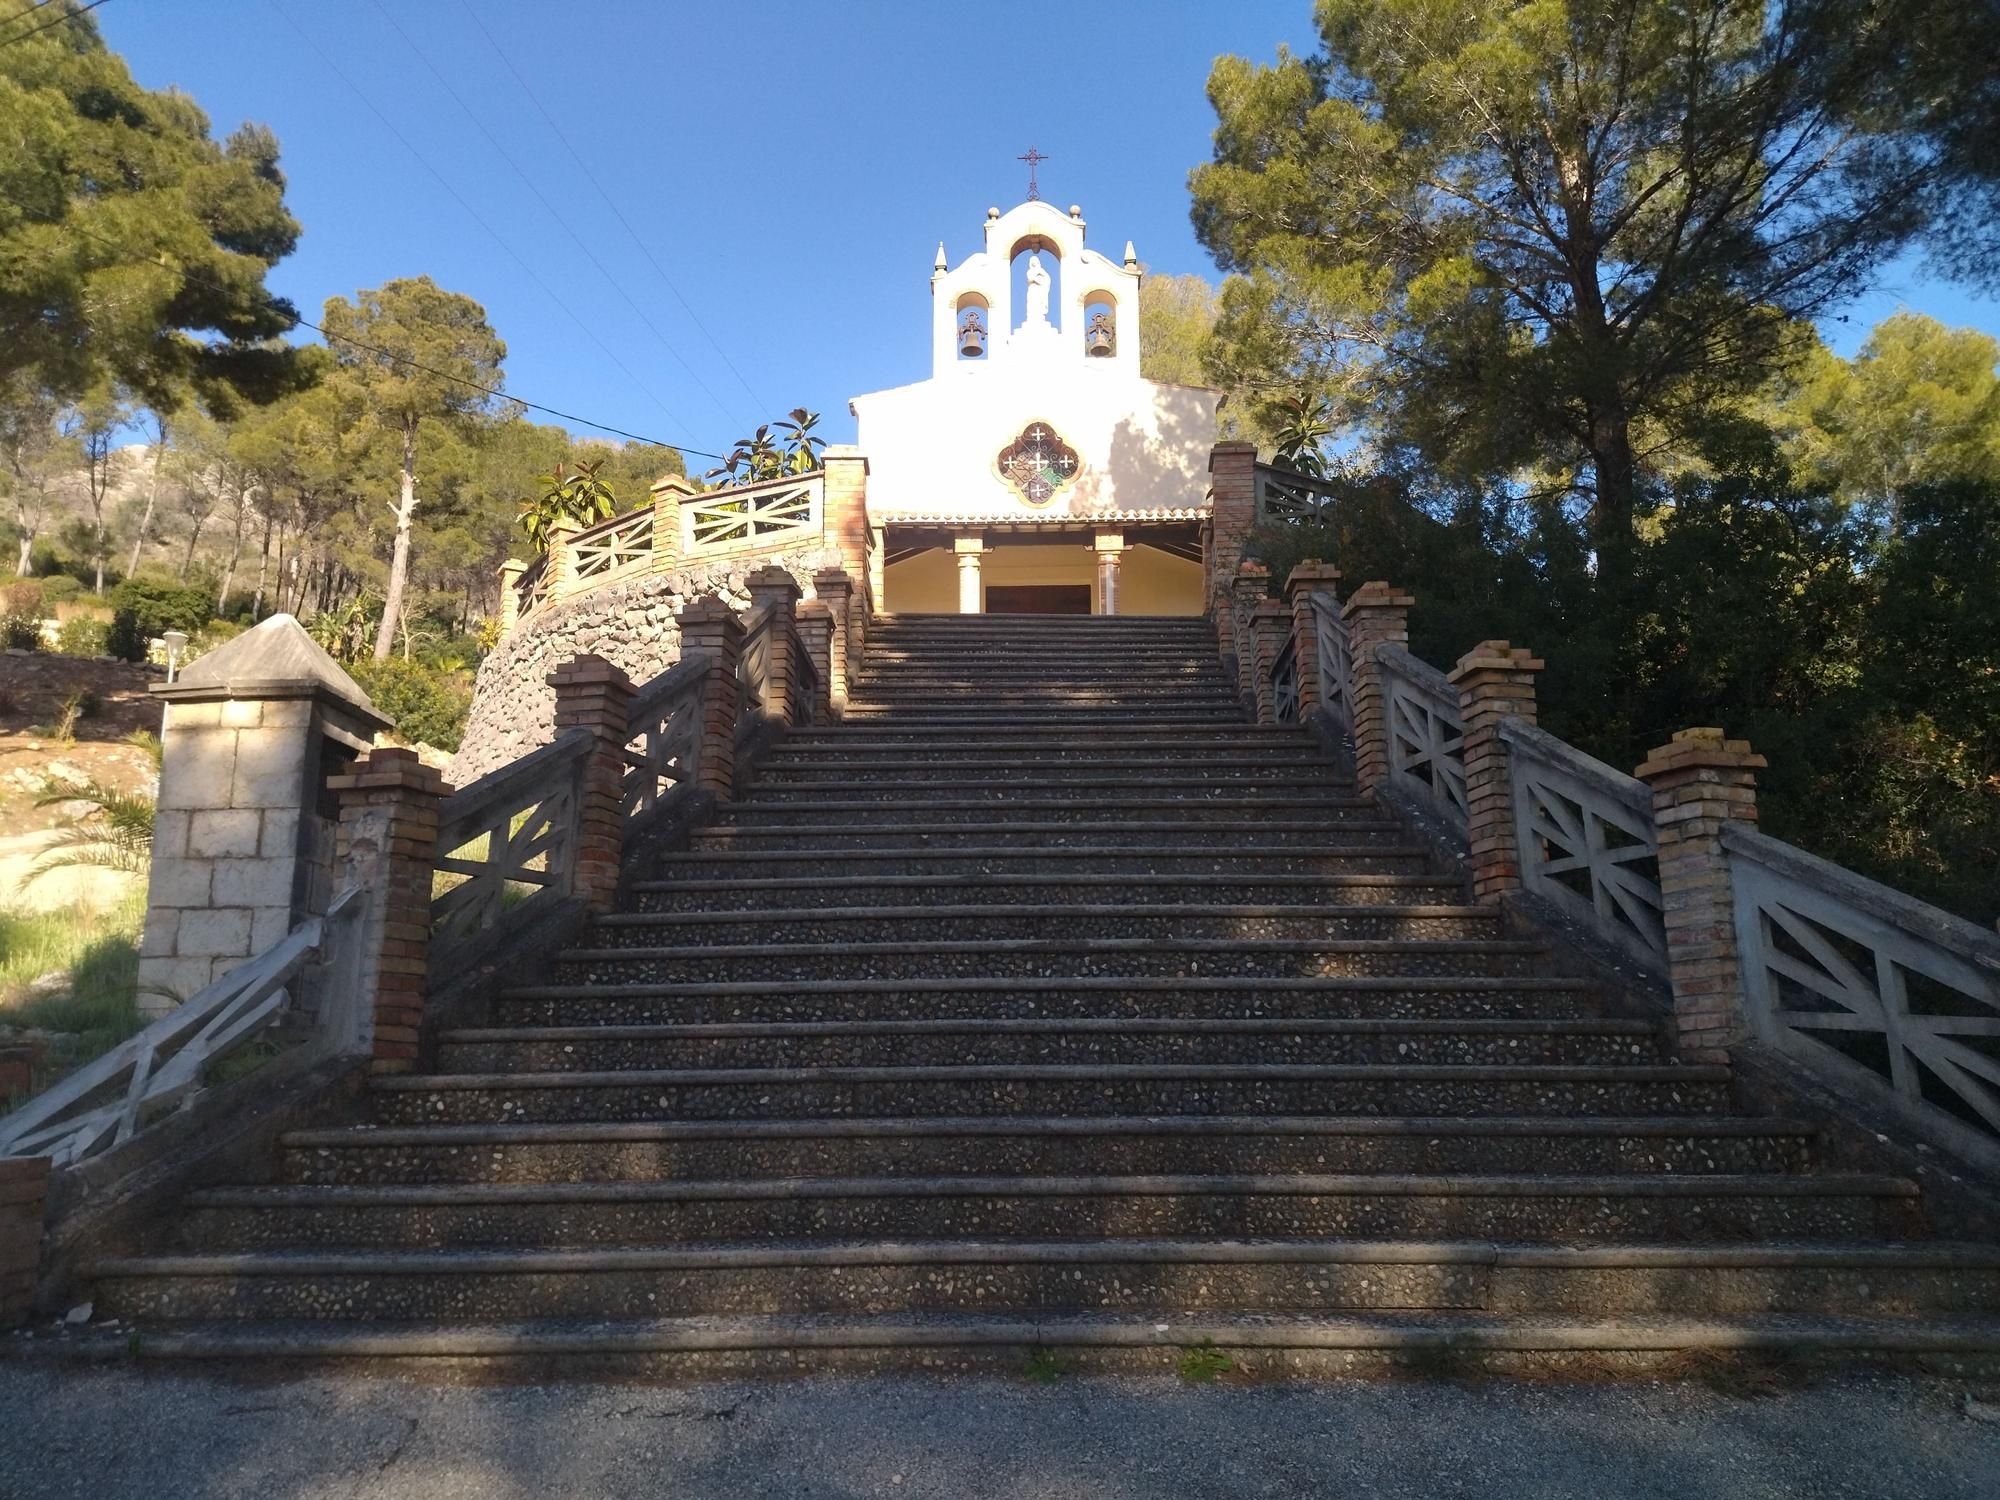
(762,456)
(568,495)
(342,630)
(113,832)
(801,447)
(1304,423)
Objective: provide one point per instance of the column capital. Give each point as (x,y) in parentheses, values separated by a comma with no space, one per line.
(969,544)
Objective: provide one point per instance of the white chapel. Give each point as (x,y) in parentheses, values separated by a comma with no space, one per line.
(1036,470)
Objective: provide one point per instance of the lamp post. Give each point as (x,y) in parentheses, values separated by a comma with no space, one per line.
(176,642)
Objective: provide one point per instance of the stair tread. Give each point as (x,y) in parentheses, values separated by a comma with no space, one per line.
(1077,945)
(1066,910)
(1040,1026)
(982,880)
(1357,983)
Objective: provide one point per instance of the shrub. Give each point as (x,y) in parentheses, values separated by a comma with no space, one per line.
(158,605)
(21,632)
(25,599)
(60,588)
(427,705)
(125,639)
(84,637)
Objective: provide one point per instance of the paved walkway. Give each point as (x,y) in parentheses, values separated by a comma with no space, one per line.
(113,1435)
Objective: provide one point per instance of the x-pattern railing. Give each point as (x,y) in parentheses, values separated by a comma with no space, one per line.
(613,548)
(507,840)
(1287,495)
(750,514)
(1285,682)
(666,726)
(1336,660)
(1425,733)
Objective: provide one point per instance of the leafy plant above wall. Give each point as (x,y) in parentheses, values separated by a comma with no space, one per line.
(764,455)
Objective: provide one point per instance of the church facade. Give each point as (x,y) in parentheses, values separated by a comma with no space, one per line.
(1036,470)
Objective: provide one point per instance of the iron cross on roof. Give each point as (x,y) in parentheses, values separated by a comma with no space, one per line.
(1034,159)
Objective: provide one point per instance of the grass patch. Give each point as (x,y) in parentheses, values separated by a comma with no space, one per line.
(98,952)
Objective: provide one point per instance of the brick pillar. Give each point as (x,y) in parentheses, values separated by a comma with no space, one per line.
(707,624)
(845,518)
(1310,577)
(773,589)
(837,589)
(592,694)
(668,492)
(1495,682)
(24,1196)
(1376,615)
(1270,621)
(815,621)
(510,594)
(1232,484)
(1248,589)
(388,843)
(1700,781)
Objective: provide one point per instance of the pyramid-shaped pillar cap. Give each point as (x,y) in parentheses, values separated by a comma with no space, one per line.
(272,660)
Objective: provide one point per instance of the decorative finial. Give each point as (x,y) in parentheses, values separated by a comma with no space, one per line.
(1034,159)
(1076,210)
(939,264)
(992,214)
(1131,256)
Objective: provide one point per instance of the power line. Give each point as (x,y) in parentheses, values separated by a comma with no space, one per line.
(612,204)
(474,214)
(68,15)
(553,213)
(407,362)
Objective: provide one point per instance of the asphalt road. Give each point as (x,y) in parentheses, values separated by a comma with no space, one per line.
(109,1435)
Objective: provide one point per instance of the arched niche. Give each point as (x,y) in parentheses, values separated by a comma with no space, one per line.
(1101,323)
(1024,251)
(972,320)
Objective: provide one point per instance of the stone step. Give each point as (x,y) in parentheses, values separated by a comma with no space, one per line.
(1351,896)
(962,854)
(994,1275)
(971,671)
(1265,1346)
(1120,1040)
(1049,922)
(1024,1146)
(833,776)
(823,760)
(1018,1089)
(1030,736)
(1034,958)
(1539,1208)
(1219,996)
(1301,793)
(1057,721)
(1193,827)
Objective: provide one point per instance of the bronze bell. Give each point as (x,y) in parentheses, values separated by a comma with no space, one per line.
(1099,342)
(972,338)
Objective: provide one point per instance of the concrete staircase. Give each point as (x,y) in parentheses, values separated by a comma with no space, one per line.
(1045,1002)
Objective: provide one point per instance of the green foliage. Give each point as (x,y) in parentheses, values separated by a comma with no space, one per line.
(123,638)
(429,706)
(25,599)
(577,496)
(792,449)
(1304,423)
(21,632)
(60,588)
(84,637)
(1204,1364)
(157,604)
(98,952)
(113,831)
(1046,1366)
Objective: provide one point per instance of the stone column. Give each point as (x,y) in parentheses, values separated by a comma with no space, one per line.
(1110,547)
(1270,622)
(592,694)
(773,589)
(1232,483)
(845,524)
(815,621)
(1248,589)
(510,594)
(562,560)
(668,492)
(971,600)
(1376,615)
(388,846)
(242,847)
(709,625)
(1700,781)
(24,1196)
(1495,682)
(1310,577)
(837,589)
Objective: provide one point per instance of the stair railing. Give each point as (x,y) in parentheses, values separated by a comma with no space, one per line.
(1425,733)
(1333,662)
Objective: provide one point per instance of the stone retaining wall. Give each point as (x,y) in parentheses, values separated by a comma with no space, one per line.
(630,624)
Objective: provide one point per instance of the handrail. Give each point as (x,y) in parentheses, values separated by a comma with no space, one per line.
(802,693)
(1335,660)
(1285,494)
(107,1102)
(1426,734)
(1285,681)
(665,728)
(748,517)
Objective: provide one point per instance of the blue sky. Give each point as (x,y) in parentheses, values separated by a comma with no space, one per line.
(789,168)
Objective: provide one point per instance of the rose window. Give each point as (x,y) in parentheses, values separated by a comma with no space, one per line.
(1038,463)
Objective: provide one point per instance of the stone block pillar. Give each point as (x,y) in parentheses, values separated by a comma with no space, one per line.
(1232,484)
(243,846)
(562,560)
(815,621)
(774,590)
(971,599)
(1110,546)
(709,625)
(845,525)
(1248,589)
(510,594)
(1700,781)
(1376,615)
(1310,577)
(388,847)
(837,590)
(24,1196)
(1495,682)
(1270,623)
(592,694)
(668,492)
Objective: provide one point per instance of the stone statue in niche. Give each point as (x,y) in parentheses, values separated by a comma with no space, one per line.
(1038,290)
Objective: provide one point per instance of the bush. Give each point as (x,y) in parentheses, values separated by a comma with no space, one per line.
(84,637)
(428,706)
(124,638)
(158,605)
(60,589)
(21,632)
(25,599)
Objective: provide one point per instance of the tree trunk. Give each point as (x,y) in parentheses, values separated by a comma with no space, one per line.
(1616,475)
(263,573)
(26,559)
(235,558)
(187,557)
(100,553)
(152,494)
(399,560)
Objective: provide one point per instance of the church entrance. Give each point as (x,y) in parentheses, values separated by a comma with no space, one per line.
(1038,599)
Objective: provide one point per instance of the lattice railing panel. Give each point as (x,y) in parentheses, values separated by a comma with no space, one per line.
(1286,495)
(1586,841)
(534,587)
(803,692)
(507,840)
(1426,736)
(1336,661)
(745,516)
(1285,682)
(1871,987)
(612,548)
(666,723)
